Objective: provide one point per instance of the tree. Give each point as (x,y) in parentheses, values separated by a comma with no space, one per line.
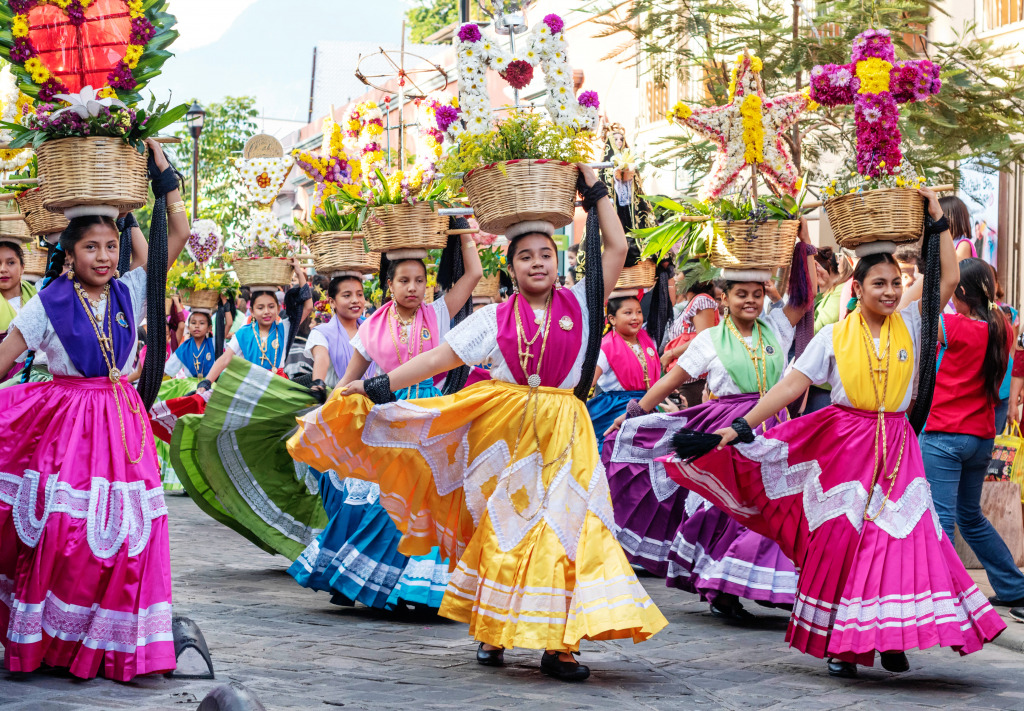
(430,16)
(977,114)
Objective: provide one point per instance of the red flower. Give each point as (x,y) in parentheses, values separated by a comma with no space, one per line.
(518,73)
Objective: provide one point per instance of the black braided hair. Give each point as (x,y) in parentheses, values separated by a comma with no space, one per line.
(124,226)
(156,287)
(930,309)
(294,298)
(220,326)
(594,284)
(449,271)
(659,313)
(54,267)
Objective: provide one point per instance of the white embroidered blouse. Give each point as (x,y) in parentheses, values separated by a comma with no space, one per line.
(475,340)
(39,335)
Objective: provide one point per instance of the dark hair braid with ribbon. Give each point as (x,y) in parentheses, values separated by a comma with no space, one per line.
(594,284)
(156,283)
(660,311)
(931,249)
(449,271)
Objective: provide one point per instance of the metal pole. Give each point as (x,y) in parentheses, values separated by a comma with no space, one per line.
(401,102)
(195,178)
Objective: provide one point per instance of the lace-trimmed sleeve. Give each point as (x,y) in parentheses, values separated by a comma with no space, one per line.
(474,339)
(135,280)
(698,356)
(32,323)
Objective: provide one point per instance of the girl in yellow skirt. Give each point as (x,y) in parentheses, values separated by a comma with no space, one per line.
(505,476)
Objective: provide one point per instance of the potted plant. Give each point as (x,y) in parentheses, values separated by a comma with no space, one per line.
(492,258)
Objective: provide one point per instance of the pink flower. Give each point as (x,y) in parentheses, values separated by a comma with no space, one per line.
(469,33)
(446,116)
(554,23)
(589,99)
(518,73)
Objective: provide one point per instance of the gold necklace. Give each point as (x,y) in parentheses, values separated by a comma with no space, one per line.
(403,337)
(875,363)
(523,344)
(196,361)
(639,353)
(758,359)
(403,325)
(106,344)
(262,346)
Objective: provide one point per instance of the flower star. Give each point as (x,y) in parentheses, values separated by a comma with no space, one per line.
(747,131)
(86,103)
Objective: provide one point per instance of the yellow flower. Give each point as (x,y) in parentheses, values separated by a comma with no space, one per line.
(830,191)
(32,64)
(680,111)
(812,105)
(900,182)
(19,27)
(107,93)
(455,101)
(753,129)
(132,55)
(874,75)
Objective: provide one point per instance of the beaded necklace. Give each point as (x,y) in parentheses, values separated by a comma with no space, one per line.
(637,351)
(262,346)
(757,353)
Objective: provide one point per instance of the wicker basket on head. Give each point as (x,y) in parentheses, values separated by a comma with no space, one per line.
(522,190)
(15,230)
(640,276)
(489,287)
(392,227)
(39,220)
(207,299)
(263,271)
(92,171)
(885,215)
(750,245)
(342,252)
(35,262)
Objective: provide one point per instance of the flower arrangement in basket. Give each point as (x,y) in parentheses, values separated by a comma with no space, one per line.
(15,105)
(333,169)
(400,211)
(492,258)
(35,262)
(744,234)
(335,241)
(882,207)
(200,286)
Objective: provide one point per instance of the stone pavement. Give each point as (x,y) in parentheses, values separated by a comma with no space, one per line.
(295,650)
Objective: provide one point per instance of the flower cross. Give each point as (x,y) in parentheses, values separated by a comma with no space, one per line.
(874,82)
(748,131)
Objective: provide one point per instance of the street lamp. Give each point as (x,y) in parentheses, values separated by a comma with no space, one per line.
(195,117)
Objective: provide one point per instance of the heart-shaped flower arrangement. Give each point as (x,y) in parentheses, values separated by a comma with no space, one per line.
(61,46)
(204,242)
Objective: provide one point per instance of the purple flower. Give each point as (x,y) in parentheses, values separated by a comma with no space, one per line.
(446,116)
(826,91)
(554,23)
(589,99)
(142,31)
(469,33)
(121,77)
(22,50)
(874,43)
(20,7)
(50,88)
(75,13)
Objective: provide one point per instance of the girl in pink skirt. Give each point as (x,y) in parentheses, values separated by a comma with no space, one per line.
(85,580)
(843,490)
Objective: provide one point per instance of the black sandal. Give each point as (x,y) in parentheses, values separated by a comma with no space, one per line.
(554,667)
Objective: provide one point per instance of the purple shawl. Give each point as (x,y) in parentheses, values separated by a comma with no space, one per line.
(339,346)
(563,343)
(72,326)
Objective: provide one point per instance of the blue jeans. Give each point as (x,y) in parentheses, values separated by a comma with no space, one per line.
(955,467)
(1002,408)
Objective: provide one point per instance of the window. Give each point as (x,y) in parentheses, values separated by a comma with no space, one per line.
(998,13)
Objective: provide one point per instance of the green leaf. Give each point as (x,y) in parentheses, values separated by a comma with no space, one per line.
(162,40)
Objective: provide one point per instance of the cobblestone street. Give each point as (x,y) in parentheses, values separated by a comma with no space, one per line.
(295,650)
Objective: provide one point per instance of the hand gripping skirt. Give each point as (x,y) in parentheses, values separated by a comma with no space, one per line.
(677,534)
(233,463)
(538,565)
(889,584)
(85,573)
(173,401)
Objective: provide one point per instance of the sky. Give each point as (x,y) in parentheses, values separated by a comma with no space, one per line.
(264,48)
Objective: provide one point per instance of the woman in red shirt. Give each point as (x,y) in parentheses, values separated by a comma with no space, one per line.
(957,442)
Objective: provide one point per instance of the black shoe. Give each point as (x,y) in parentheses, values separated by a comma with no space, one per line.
(994,600)
(1017,613)
(551,665)
(733,610)
(895,661)
(490,657)
(843,670)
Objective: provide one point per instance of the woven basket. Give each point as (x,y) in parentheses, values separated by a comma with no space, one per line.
(526,190)
(745,244)
(886,215)
(640,276)
(202,299)
(39,221)
(488,287)
(15,230)
(265,271)
(92,171)
(342,252)
(35,262)
(392,227)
